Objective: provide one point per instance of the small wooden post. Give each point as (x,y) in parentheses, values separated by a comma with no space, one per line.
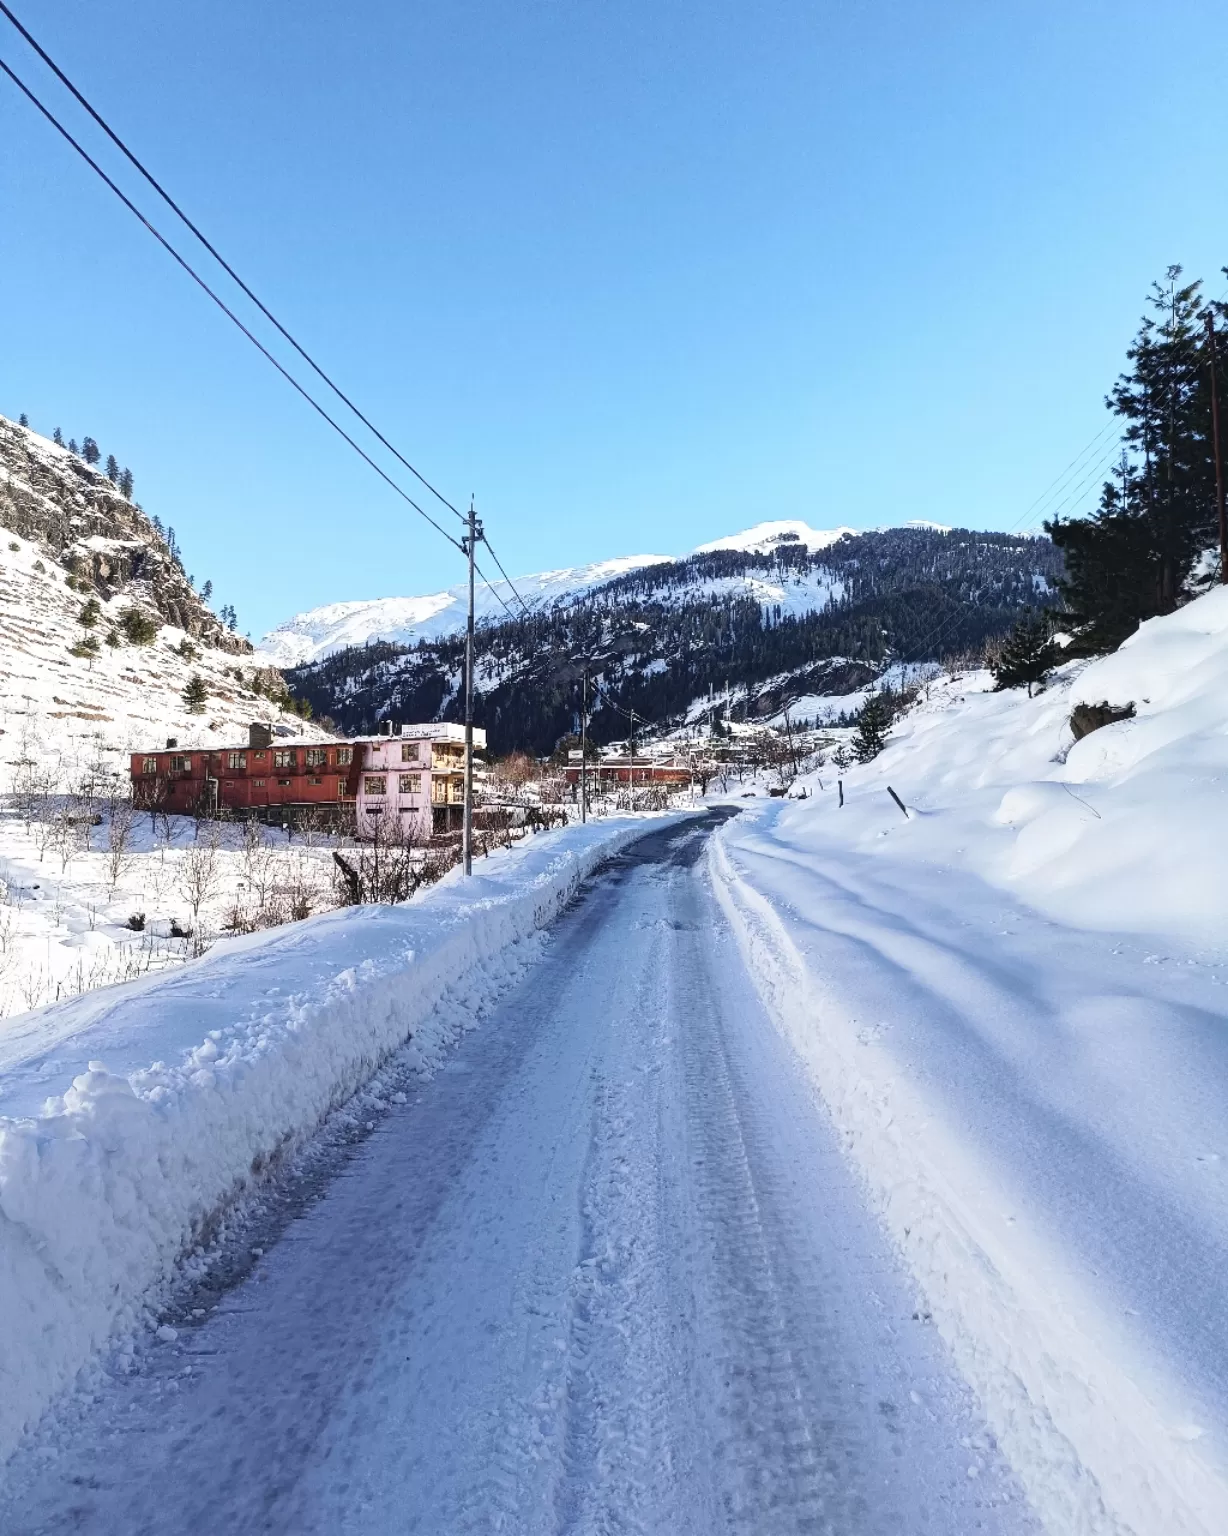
(898,801)
(840,787)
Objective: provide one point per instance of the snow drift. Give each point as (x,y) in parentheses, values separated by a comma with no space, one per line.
(170,1095)
(1013,1004)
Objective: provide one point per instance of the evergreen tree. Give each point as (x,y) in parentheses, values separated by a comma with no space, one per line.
(1132,558)
(156,524)
(72,444)
(58,437)
(90,613)
(90,450)
(873,727)
(23,420)
(112,468)
(125,483)
(206,592)
(139,628)
(195,694)
(1027,656)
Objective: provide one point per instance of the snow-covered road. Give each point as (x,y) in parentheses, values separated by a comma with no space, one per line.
(606,1271)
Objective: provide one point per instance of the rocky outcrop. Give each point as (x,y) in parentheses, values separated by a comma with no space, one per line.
(108,544)
(1086,718)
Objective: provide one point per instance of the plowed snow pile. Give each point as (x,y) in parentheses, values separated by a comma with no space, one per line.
(135,1114)
(1014,1004)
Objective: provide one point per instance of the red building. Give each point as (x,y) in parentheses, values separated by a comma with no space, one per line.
(621,769)
(268,777)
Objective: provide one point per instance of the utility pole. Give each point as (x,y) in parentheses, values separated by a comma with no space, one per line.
(467,544)
(1219,466)
(631,762)
(584,749)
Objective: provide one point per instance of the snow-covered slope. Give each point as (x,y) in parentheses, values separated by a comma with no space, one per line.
(68,538)
(1013,1001)
(406,620)
(764,537)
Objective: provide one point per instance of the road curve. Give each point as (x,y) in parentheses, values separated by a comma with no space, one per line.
(605,1272)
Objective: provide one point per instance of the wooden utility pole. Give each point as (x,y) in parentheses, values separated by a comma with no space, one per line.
(467,544)
(584,749)
(631,762)
(1219,463)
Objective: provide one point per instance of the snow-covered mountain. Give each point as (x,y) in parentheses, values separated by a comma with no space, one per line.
(100,630)
(320,631)
(406,620)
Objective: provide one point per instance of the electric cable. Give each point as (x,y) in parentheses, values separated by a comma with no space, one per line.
(221,304)
(218,257)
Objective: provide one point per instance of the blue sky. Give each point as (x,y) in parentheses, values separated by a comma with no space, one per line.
(636,275)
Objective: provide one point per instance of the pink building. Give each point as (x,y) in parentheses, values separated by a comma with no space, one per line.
(413,779)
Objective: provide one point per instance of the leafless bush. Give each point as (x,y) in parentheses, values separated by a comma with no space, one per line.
(387,868)
(121,828)
(199,871)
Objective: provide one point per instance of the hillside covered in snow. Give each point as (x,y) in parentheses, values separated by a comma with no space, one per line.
(1013,1000)
(770,616)
(100,629)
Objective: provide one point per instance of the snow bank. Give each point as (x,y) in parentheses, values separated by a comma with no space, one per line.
(1094,1431)
(171,1094)
(1109,832)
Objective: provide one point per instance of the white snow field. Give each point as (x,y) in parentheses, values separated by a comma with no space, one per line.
(1015,1006)
(606,1270)
(130,1117)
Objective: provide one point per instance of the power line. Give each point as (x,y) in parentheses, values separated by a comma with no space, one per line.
(217,256)
(229,313)
(499,563)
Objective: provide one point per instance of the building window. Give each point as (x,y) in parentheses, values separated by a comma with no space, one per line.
(316,757)
(314,780)
(181,764)
(410,783)
(259,755)
(344,755)
(238,759)
(374,784)
(258,783)
(285,757)
(150,765)
(409,751)
(341,787)
(284,783)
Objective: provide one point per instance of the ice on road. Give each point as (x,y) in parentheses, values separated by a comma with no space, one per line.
(606,1271)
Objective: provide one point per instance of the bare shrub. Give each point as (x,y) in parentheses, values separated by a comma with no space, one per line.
(200,871)
(121,829)
(386,868)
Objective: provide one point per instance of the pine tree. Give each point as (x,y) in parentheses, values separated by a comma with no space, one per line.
(90,450)
(1027,656)
(873,727)
(139,627)
(195,694)
(1132,558)
(125,483)
(23,420)
(57,437)
(112,468)
(206,592)
(90,613)
(72,444)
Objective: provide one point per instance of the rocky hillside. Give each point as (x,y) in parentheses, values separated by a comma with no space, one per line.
(76,515)
(101,635)
(762,622)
